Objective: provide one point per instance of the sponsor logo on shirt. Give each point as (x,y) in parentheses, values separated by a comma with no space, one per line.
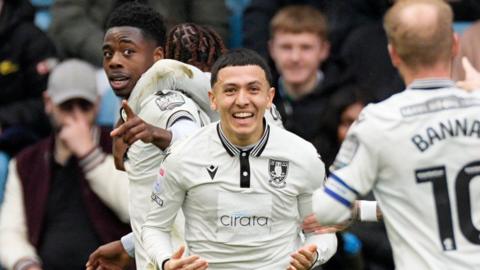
(212,170)
(278,170)
(240,220)
(243,216)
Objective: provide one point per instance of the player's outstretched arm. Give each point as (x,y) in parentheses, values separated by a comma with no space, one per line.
(134,129)
(109,256)
(362,211)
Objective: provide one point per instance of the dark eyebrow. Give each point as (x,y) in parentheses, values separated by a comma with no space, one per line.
(230,85)
(127,40)
(106,46)
(255,82)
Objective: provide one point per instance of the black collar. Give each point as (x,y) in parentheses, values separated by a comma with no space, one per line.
(233,150)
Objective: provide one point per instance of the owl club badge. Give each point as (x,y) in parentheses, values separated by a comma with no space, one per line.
(278,170)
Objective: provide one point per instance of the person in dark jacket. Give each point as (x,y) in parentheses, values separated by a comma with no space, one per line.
(52,216)
(26,54)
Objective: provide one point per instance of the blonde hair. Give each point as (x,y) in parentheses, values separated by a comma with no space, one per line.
(298,19)
(420,44)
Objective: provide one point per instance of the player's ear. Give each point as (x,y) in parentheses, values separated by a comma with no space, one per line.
(271,95)
(393,55)
(213,100)
(455,45)
(158,54)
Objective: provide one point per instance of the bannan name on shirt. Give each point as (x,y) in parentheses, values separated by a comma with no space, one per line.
(449,128)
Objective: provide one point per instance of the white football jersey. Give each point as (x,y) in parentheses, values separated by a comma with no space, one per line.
(420,153)
(243,207)
(161,109)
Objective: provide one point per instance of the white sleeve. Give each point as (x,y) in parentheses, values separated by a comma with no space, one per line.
(183,128)
(326,243)
(13,227)
(353,173)
(108,183)
(167,198)
(128,244)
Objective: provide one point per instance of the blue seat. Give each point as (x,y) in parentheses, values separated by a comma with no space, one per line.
(109,109)
(460,26)
(42,13)
(4,159)
(236,7)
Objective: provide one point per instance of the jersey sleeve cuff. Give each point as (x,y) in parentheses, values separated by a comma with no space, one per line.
(128,244)
(25,263)
(92,160)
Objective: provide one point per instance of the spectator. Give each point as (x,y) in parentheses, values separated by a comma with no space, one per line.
(340,15)
(51,217)
(26,55)
(87,18)
(299,46)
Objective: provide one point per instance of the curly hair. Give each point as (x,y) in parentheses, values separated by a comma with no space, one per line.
(141,16)
(194,44)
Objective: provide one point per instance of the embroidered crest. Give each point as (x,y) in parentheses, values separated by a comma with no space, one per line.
(278,170)
(169,100)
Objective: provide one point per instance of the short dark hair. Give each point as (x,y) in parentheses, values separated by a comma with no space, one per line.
(240,57)
(141,16)
(194,44)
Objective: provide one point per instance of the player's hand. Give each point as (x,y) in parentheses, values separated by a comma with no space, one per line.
(111,256)
(191,262)
(311,225)
(118,152)
(472,76)
(76,133)
(304,258)
(134,129)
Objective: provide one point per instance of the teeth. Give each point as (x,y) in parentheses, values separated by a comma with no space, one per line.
(243,114)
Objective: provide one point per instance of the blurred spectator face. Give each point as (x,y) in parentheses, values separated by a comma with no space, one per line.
(349,115)
(298,56)
(127,54)
(77,109)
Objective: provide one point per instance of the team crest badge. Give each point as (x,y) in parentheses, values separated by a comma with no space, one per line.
(278,170)
(169,100)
